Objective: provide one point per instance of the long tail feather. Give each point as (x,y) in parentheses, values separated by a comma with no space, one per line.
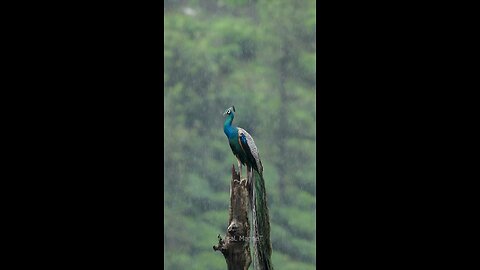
(261,224)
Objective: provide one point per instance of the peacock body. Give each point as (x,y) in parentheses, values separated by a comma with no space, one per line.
(244,148)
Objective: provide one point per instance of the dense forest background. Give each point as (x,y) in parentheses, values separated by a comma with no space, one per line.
(259,56)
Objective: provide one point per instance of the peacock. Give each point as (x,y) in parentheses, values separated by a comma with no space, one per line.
(246,152)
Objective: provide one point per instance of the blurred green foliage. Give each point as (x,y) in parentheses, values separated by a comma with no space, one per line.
(259,56)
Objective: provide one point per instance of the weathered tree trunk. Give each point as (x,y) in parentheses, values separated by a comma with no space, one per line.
(235,247)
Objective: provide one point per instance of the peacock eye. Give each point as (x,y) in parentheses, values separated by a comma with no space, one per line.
(228,112)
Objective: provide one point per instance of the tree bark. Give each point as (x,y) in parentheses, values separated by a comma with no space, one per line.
(235,247)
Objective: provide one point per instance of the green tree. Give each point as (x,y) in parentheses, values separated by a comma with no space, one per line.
(260,57)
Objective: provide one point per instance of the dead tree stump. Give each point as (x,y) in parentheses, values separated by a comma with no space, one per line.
(235,247)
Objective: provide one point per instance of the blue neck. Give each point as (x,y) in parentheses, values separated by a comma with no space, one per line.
(228,128)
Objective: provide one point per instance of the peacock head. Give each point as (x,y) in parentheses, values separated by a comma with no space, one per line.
(229,111)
